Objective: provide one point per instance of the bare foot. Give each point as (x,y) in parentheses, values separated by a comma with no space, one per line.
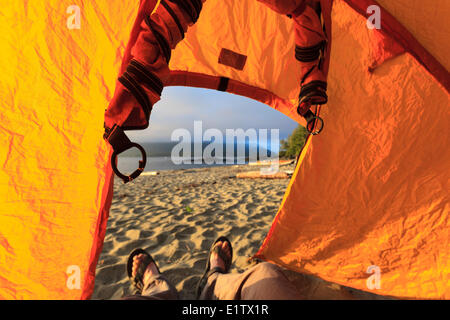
(215,260)
(150,271)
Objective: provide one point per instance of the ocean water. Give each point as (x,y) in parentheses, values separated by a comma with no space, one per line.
(127,165)
(159,158)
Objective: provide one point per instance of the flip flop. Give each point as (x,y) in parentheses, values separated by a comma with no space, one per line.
(138,279)
(227,261)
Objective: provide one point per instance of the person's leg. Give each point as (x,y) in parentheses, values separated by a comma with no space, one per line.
(264,281)
(158,288)
(156,285)
(217,265)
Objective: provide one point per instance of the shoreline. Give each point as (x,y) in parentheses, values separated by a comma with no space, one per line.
(164,163)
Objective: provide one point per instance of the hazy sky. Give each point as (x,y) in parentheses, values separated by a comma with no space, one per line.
(179,107)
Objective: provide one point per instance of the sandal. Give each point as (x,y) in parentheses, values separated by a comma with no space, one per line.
(138,279)
(227,261)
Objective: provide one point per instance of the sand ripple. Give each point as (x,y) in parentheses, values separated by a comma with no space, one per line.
(177,215)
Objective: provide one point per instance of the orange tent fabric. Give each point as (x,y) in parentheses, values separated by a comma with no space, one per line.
(372,189)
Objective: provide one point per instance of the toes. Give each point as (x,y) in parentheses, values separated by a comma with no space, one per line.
(136,262)
(214,254)
(226,248)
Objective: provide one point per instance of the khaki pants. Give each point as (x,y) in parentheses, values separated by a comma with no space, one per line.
(264,281)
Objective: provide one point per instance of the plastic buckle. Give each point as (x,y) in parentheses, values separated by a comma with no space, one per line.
(120,143)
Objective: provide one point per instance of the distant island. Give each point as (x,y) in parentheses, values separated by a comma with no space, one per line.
(289,148)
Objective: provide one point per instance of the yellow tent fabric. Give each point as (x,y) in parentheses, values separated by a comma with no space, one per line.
(372,189)
(54,88)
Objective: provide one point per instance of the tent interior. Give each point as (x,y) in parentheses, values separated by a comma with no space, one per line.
(371,189)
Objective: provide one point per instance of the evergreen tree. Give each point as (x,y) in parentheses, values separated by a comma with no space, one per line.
(291,147)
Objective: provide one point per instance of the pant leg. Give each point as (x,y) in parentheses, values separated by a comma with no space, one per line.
(158,288)
(264,281)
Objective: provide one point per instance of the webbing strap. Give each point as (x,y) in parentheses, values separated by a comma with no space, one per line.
(185,7)
(223,84)
(117,139)
(142,75)
(313,86)
(198,5)
(162,41)
(309,54)
(191,7)
(136,90)
(316,91)
(174,17)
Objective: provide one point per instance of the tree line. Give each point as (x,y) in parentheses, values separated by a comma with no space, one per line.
(291,147)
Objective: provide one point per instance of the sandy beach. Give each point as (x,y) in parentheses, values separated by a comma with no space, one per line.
(177,214)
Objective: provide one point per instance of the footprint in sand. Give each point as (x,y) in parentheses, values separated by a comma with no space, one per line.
(127,247)
(110,274)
